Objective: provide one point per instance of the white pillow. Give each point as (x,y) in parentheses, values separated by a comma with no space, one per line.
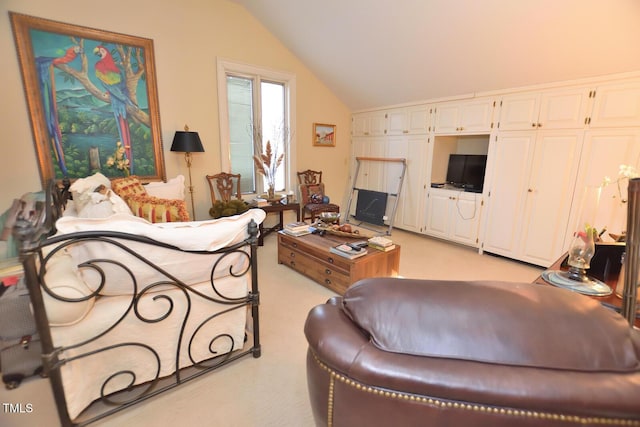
(172,189)
(190,268)
(103,205)
(82,188)
(62,280)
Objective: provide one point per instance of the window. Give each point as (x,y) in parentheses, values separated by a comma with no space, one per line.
(255,101)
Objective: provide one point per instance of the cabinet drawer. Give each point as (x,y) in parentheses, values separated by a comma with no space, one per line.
(323,273)
(333,261)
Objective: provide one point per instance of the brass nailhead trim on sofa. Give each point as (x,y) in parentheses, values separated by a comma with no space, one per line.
(575,419)
(332,383)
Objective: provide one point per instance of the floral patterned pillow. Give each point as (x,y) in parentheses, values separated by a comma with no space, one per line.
(154,209)
(125,187)
(312,193)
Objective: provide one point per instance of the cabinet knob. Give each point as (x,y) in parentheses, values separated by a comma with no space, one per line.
(327,281)
(292,263)
(530,190)
(327,271)
(405,131)
(330,260)
(292,255)
(539,125)
(533,125)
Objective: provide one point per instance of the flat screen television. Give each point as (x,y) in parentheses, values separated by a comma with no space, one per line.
(467,171)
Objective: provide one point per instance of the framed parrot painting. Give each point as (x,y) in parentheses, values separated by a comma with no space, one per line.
(92,100)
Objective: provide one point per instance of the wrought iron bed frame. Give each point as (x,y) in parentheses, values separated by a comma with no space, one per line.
(35,233)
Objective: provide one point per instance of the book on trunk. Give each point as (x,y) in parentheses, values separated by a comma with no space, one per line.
(347,251)
(382,248)
(297,226)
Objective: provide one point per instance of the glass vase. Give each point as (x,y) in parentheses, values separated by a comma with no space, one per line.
(582,250)
(583,245)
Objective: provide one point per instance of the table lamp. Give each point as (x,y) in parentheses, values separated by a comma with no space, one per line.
(188,142)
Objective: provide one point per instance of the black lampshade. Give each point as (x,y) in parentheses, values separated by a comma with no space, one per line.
(187,142)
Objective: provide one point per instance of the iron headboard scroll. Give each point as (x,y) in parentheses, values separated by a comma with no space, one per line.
(199,347)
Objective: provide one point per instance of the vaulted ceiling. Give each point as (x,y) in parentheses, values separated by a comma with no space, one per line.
(375,53)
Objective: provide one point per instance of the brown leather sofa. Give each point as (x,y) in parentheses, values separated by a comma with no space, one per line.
(403,352)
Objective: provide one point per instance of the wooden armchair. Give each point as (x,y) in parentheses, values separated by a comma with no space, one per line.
(227,186)
(310,177)
(312,195)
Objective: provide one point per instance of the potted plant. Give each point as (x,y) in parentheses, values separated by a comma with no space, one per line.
(268,157)
(267,164)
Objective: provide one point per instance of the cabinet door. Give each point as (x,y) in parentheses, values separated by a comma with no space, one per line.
(564,109)
(549,195)
(378,126)
(447,118)
(360,148)
(464,217)
(519,111)
(475,116)
(408,120)
(414,150)
(375,170)
(602,154)
(616,105)
(464,117)
(370,175)
(509,165)
(360,125)
(418,119)
(397,147)
(397,122)
(369,124)
(437,220)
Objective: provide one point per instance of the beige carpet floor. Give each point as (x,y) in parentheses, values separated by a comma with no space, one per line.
(271,390)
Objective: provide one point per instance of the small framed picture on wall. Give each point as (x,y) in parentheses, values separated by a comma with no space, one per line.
(324,135)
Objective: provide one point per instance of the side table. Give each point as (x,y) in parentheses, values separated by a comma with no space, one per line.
(611,301)
(279,208)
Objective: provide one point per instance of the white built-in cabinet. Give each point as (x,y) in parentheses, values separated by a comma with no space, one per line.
(402,133)
(607,105)
(408,120)
(603,151)
(414,149)
(464,117)
(530,193)
(616,105)
(369,124)
(371,174)
(546,146)
(557,109)
(453,215)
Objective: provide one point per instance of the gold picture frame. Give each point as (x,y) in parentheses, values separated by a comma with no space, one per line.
(92,100)
(324,135)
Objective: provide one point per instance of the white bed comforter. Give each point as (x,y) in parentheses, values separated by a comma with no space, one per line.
(84,377)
